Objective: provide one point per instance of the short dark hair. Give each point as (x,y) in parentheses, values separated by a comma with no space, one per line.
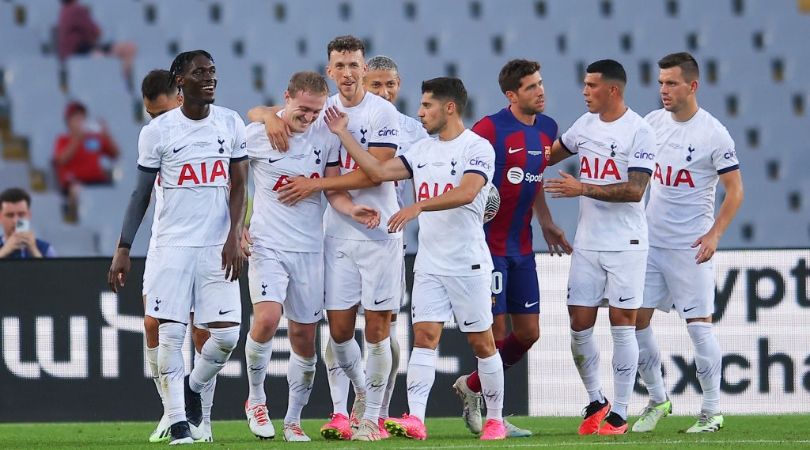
(513,71)
(311,82)
(156,83)
(347,43)
(182,61)
(447,89)
(14,195)
(610,70)
(687,63)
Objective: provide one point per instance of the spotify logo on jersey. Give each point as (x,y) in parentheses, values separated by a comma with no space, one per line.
(514,175)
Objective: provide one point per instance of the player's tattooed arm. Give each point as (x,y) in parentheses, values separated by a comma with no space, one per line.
(233,257)
(630,191)
(277,130)
(136,209)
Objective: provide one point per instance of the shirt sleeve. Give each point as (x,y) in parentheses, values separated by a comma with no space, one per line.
(409,157)
(724,156)
(149,149)
(385,128)
(642,153)
(569,138)
(333,152)
(256,141)
(486,129)
(239,148)
(480,159)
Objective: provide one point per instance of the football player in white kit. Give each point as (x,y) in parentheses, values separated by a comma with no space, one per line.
(199,150)
(352,253)
(453,270)
(286,258)
(694,152)
(382,78)
(160,94)
(616,150)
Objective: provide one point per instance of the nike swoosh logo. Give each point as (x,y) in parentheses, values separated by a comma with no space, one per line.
(317,312)
(178,149)
(625,299)
(222,313)
(466,324)
(376,386)
(689,309)
(514,150)
(529,305)
(271,160)
(380,302)
(580,143)
(419,166)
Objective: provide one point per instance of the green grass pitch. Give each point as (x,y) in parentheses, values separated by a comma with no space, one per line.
(750,432)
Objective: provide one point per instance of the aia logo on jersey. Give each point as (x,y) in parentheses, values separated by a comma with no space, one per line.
(348,163)
(430,190)
(682,177)
(284,179)
(201,174)
(597,169)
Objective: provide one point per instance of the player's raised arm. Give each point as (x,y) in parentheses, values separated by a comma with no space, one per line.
(378,163)
(148,167)
(277,130)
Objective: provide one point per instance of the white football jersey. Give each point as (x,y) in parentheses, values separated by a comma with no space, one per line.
(411,131)
(374,122)
(690,157)
(297,228)
(451,242)
(607,151)
(193,158)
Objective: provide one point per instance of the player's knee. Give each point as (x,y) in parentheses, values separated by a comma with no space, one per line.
(199,336)
(225,338)
(527,337)
(426,339)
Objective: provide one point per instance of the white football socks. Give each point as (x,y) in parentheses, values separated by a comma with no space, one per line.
(215,353)
(349,356)
(300,378)
(257,357)
(338,381)
(378,369)
(172,368)
(392,377)
(421,374)
(649,365)
(625,365)
(709,362)
(207,393)
(586,358)
(152,361)
(490,371)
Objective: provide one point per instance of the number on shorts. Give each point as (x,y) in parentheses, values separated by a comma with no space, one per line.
(497,283)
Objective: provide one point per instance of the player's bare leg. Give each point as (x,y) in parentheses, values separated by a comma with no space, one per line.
(258,351)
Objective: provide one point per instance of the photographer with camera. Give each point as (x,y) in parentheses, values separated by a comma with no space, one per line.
(17,240)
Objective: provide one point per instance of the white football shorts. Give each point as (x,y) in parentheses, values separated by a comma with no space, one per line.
(674,280)
(368,273)
(438,298)
(615,278)
(294,279)
(191,278)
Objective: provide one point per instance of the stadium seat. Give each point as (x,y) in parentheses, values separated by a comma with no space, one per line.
(14,174)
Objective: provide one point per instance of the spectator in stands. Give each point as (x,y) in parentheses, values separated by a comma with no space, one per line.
(78,156)
(18,240)
(78,34)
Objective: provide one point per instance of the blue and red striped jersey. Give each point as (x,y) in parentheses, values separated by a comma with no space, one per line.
(521,154)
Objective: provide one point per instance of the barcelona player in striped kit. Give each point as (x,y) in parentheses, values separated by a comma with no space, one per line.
(522,139)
